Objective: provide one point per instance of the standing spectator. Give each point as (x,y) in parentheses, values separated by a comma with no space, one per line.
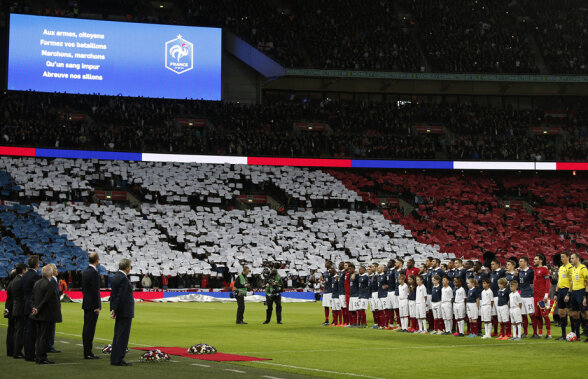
(146,281)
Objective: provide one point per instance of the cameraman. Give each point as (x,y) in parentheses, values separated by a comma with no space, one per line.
(273,294)
(241,287)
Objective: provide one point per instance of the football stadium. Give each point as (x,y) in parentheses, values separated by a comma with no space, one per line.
(230,188)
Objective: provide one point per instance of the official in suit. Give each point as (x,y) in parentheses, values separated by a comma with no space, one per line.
(122,309)
(18,310)
(52,348)
(8,315)
(45,311)
(91,304)
(27,282)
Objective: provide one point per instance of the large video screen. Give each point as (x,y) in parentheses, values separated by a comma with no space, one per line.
(53,54)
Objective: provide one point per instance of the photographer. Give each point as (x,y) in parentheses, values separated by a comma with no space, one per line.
(241,287)
(273,294)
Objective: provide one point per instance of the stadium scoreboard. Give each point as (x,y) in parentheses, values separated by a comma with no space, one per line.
(54,54)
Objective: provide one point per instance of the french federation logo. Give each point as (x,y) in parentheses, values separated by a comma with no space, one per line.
(179,55)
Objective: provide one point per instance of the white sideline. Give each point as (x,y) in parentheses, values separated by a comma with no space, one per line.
(318,370)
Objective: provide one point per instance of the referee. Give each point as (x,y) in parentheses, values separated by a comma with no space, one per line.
(577,295)
(241,287)
(562,289)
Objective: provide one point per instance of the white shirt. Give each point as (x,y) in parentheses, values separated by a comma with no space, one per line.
(515,300)
(460,296)
(421,294)
(403,292)
(446,294)
(94,267)
(487,297)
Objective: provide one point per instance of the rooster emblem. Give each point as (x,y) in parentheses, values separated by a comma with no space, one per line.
(179,51)
(179,55)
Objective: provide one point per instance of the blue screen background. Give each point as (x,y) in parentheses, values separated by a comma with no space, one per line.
(134,64)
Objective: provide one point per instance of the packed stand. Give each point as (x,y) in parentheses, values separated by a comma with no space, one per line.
(355,129)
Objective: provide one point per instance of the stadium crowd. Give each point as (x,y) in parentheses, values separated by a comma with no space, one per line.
(356,129)
(499,36)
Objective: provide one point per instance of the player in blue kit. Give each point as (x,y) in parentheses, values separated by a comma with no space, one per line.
(335,303)
(364,295)
(525,278)
(373,301)
(398,270)
(382,297)
(496,274)
(327,291)
(473,307)
(436,306)
(353,296)
(510,273)
(502,309)
(391,280)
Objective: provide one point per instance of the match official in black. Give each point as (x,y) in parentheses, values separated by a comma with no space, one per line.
(8,315)
(18,310)
(122,309)
(27,282)
(91,304)
(45,311)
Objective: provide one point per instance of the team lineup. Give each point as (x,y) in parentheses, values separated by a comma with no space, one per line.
(442,298)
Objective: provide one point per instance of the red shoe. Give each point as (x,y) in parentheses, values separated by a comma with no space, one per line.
(455,334)
(411,330)
(388,328)
(494,334)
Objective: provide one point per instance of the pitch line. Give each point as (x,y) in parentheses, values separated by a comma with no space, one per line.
(199,365)
(318,370)
(237,371)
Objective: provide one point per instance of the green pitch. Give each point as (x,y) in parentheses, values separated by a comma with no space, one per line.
(298,347)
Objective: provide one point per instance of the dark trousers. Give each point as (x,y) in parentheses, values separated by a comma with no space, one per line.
(42,340)
(10,337)
(90,319)
(240,307)
(270,300)
(52,336)
(19,323)
(30,333)
(122,330)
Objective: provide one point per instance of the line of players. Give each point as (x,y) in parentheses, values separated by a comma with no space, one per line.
(448,298)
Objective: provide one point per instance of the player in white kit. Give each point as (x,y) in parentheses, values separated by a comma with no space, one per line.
(447,305)
(486,303)
(459,306)
(421,305)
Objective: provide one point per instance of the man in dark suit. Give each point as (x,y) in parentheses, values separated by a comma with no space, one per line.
(91,304)
(122,309)
(18,310)
(52,348)
(27,282)
(8,315)
(45,311)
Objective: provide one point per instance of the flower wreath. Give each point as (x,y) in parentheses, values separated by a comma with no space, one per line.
(155,356)
(201,348)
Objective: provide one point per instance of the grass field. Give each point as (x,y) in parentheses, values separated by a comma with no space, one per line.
(299,347)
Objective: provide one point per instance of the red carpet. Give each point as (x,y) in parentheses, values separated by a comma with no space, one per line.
(219,357)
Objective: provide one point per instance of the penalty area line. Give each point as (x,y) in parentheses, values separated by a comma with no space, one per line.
(317,370)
